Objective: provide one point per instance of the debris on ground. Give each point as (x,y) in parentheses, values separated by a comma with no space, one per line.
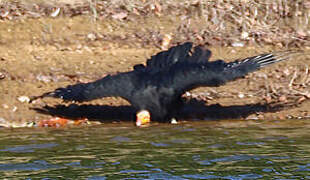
(60,122)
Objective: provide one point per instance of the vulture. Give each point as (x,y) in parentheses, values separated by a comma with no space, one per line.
(155,89)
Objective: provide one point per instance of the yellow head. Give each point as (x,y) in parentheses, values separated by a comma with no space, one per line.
(143,117)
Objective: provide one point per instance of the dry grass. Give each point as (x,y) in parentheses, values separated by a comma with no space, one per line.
(234,22)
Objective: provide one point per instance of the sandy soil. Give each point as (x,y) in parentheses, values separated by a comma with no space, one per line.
(39,55)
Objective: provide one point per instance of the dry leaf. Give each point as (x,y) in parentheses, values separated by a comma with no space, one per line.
(120,15)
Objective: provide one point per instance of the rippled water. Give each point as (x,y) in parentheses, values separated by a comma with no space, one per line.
(194,150)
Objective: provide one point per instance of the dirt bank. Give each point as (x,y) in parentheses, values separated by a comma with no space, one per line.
(43,53)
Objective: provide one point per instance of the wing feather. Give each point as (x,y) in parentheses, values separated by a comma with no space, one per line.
(178,54)
(188,76)
(121,85)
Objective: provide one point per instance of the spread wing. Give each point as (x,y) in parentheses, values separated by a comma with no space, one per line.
(121,85)
(188,76)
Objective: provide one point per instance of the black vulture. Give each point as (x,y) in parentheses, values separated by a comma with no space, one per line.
(155,89)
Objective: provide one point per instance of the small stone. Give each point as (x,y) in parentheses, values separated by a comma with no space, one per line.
(174,121)
(2,75)
(30,124)
(2,120)
(286,72)
(252,117)
(87,49)
(91,36)
(282,98)
(24,99)
(14,109)
(44,78)
(166,41)
(240,95)
(237,44)
(244,35)
(55,12)
(79,46)
(119,16)
(5,106)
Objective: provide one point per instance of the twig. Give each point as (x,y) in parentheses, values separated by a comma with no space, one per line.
(306,76)
(292,80)
(306,93)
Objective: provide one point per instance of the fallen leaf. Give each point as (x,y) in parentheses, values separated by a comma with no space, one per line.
(80,121)
(53,122)
(55,12)
(166,41)
(120,15)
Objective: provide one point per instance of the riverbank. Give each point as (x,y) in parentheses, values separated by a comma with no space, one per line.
(41,52)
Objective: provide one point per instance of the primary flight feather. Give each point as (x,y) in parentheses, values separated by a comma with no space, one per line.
(157,87)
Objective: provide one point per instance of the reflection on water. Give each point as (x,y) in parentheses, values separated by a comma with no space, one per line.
(195,150)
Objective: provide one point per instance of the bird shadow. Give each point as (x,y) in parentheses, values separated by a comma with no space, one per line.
(193,109)
(199,110)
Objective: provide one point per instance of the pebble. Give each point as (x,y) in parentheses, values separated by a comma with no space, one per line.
(91,36)
(2,75)
(166,41)
(2,120)
(282,98)
(240,95)
(244,35)
(14,109)
(174,121)
(5,106)
(44,78)
(24,99)
(120,15)
(56,12)
(237,44)
(252,117)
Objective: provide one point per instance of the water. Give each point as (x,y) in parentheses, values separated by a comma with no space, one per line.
(195,150)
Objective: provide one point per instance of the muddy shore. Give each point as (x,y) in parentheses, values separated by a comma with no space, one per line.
(54,50)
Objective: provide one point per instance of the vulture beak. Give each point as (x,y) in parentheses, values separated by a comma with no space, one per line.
(143,117)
